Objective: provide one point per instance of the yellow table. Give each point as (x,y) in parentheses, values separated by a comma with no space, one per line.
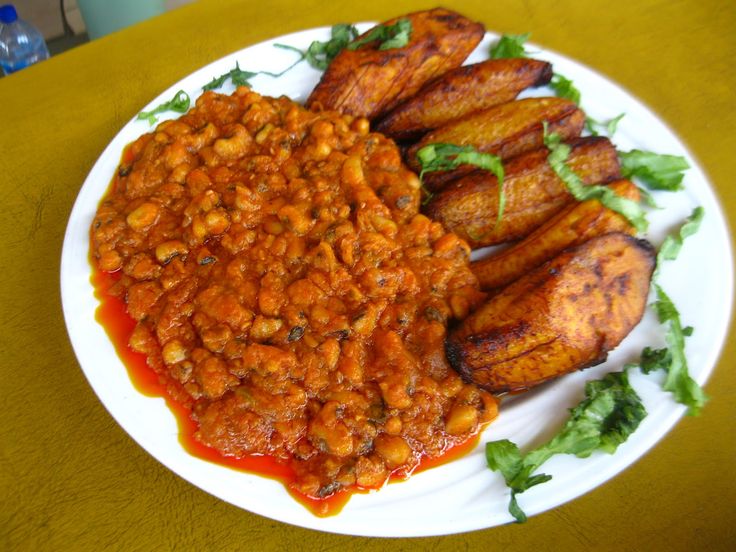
(71,479)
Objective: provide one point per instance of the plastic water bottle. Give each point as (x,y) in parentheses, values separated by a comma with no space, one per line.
(21,44)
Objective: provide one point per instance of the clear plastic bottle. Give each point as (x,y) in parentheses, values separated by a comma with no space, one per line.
(21,44)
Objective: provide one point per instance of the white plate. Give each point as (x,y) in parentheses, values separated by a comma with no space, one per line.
(462,495)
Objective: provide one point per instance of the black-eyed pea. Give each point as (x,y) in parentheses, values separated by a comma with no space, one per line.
(330,350)
(412,180)
(395,394)
(199,229)
(207,201)
(321,150)
(462,418)
(270,301)
(469,394)
(489,407)
(179,173)
(273,226)
(216,337)
(182,371)
(295,250)
(351,370)
(385,226)
(322,129)
(295,219)
(246,199)
(319,315)
(175,154)
(451,385)
(352,171)
(394,450)
(446,246)
(393,425)
(141,339)
(263,328)
(217,221)
(169,249)
(370,471)
(173,352)
(235,145)
(143,216)
(361,126)
(262,135)
(365,321)
(110,261)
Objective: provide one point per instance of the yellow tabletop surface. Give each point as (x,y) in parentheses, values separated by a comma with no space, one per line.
(72,479)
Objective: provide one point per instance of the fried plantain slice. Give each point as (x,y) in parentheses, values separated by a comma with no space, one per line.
(463,91)
(369,82)
(573,225)
(469,206)
(505,130)
(563,316)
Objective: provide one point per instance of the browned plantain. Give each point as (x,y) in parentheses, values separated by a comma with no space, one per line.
(565,315)
(462,91)
(469,206)
(506,130)
(369,82)
(574,225)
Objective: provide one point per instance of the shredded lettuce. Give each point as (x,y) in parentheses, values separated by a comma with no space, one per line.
(610,412)
(510,46)
(320,54)
(672,360)
(179,103)
(446,157)
(236,75)
(564,88)
(657,171)
(390,36)
(559,152)
(672,244)
(591,125)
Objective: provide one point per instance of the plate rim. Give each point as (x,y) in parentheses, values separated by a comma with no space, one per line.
(324,524)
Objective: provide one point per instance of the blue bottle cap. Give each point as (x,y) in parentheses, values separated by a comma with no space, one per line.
(8,13)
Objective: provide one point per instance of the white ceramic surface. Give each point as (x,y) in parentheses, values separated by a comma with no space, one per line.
(462,495)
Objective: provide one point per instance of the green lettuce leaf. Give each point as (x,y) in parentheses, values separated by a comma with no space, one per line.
(179,103)
(592,126)
(390,36)
(236,75)
(446,157)
(673,361)
(657,171)
(564,88)
(320,54)
(672,244)
(510,46)
(610,412)
(559,152)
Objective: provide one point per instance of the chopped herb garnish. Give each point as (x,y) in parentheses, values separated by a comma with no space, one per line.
(564,88)
(179,103)
(558,154)
(510,46)
(236,75)
(446,157)
(672,244)
(611,125)
(391,36)
(656,171)
(672,360)
(320,54)
(610,412)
